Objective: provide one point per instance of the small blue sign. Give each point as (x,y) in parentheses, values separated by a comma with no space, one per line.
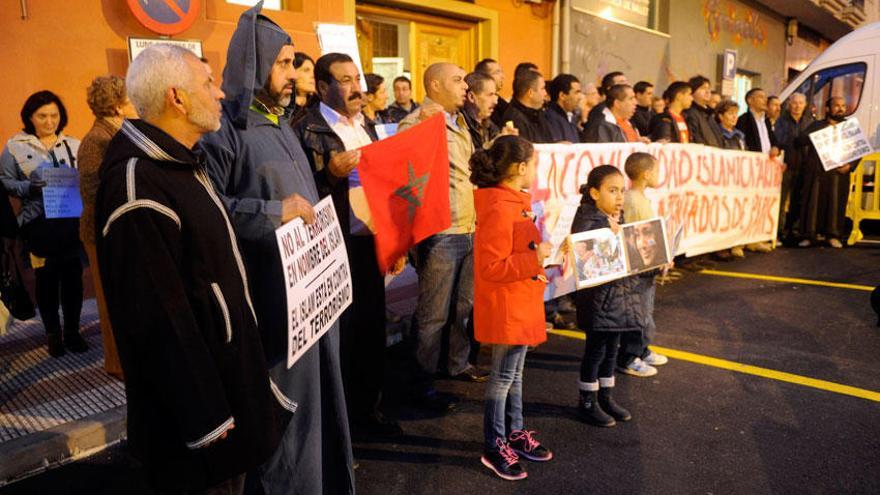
(728,71)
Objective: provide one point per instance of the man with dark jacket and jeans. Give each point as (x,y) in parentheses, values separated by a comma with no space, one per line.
(336,128)
(526,110)
(200,406)
(700,119)
(565,94)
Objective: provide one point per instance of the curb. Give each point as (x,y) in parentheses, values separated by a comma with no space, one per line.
(43,450)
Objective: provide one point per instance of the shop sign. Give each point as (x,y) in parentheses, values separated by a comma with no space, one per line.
(741,23)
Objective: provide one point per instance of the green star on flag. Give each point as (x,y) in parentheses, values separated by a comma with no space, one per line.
(413,191)
(406,184)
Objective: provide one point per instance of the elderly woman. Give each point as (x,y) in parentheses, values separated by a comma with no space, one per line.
(106,97)
(53,243)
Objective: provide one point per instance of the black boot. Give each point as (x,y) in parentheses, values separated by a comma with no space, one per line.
(56,345)
(613,408)
(74,342)
(591,412)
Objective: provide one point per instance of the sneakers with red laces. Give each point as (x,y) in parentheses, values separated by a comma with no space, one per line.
(504,462)
(524,444)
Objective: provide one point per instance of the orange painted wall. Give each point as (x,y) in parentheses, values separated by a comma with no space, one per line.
(63,45)
(525,35)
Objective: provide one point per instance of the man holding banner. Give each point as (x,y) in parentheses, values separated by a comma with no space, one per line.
(334,130)
(262,174)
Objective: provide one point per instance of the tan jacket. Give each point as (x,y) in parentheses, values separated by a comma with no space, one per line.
(461,190)
(91,154)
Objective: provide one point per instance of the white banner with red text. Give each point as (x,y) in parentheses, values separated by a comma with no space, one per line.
(716,198)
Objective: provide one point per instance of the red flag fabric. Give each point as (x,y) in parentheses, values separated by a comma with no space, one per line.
(406,183)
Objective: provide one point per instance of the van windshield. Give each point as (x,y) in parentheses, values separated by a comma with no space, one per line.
(846,81)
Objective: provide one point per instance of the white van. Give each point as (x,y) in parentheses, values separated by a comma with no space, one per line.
(849,68)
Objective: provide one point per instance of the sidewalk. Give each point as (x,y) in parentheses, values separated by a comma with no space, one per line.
(54,411)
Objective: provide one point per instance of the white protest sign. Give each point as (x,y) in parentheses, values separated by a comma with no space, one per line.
(316,276)
(386,130)
(341,38)
(840,144)
(137,45)
(61,197)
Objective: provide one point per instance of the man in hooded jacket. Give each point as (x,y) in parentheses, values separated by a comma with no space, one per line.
(261,172)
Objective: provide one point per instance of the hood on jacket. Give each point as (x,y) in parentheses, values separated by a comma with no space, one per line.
(252,51)
(139,139)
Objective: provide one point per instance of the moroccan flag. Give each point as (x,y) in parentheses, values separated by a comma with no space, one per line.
(406,182)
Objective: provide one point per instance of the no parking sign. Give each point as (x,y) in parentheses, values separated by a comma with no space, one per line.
(165,16)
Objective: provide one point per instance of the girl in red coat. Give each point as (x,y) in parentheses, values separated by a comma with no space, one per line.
(508,296)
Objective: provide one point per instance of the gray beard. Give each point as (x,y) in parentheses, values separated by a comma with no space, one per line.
(204,121)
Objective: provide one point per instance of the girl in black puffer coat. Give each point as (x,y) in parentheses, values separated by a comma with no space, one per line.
(607,310)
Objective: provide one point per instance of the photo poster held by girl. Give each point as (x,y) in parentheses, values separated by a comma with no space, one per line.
(599,256)
(714,199)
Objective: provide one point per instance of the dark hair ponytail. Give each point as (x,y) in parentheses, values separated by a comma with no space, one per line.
(490,167)
(595,179)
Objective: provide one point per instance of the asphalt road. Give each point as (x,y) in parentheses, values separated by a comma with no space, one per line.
(697,428)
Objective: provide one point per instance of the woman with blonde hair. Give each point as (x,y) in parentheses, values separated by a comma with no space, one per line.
(110,105)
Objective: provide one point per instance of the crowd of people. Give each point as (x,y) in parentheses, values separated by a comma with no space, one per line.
(184,184)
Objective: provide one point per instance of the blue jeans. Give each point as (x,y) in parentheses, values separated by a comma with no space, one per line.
(504,412)
(445,265)
(635,344)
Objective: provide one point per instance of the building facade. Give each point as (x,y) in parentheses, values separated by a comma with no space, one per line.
(666,40)
(62,46)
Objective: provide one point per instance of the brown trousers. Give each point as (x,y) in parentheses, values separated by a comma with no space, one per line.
(111,356)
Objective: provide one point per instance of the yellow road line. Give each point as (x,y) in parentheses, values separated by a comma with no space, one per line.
(751,370)
(772,278)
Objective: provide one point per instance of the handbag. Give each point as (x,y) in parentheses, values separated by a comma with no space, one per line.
(12,292)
